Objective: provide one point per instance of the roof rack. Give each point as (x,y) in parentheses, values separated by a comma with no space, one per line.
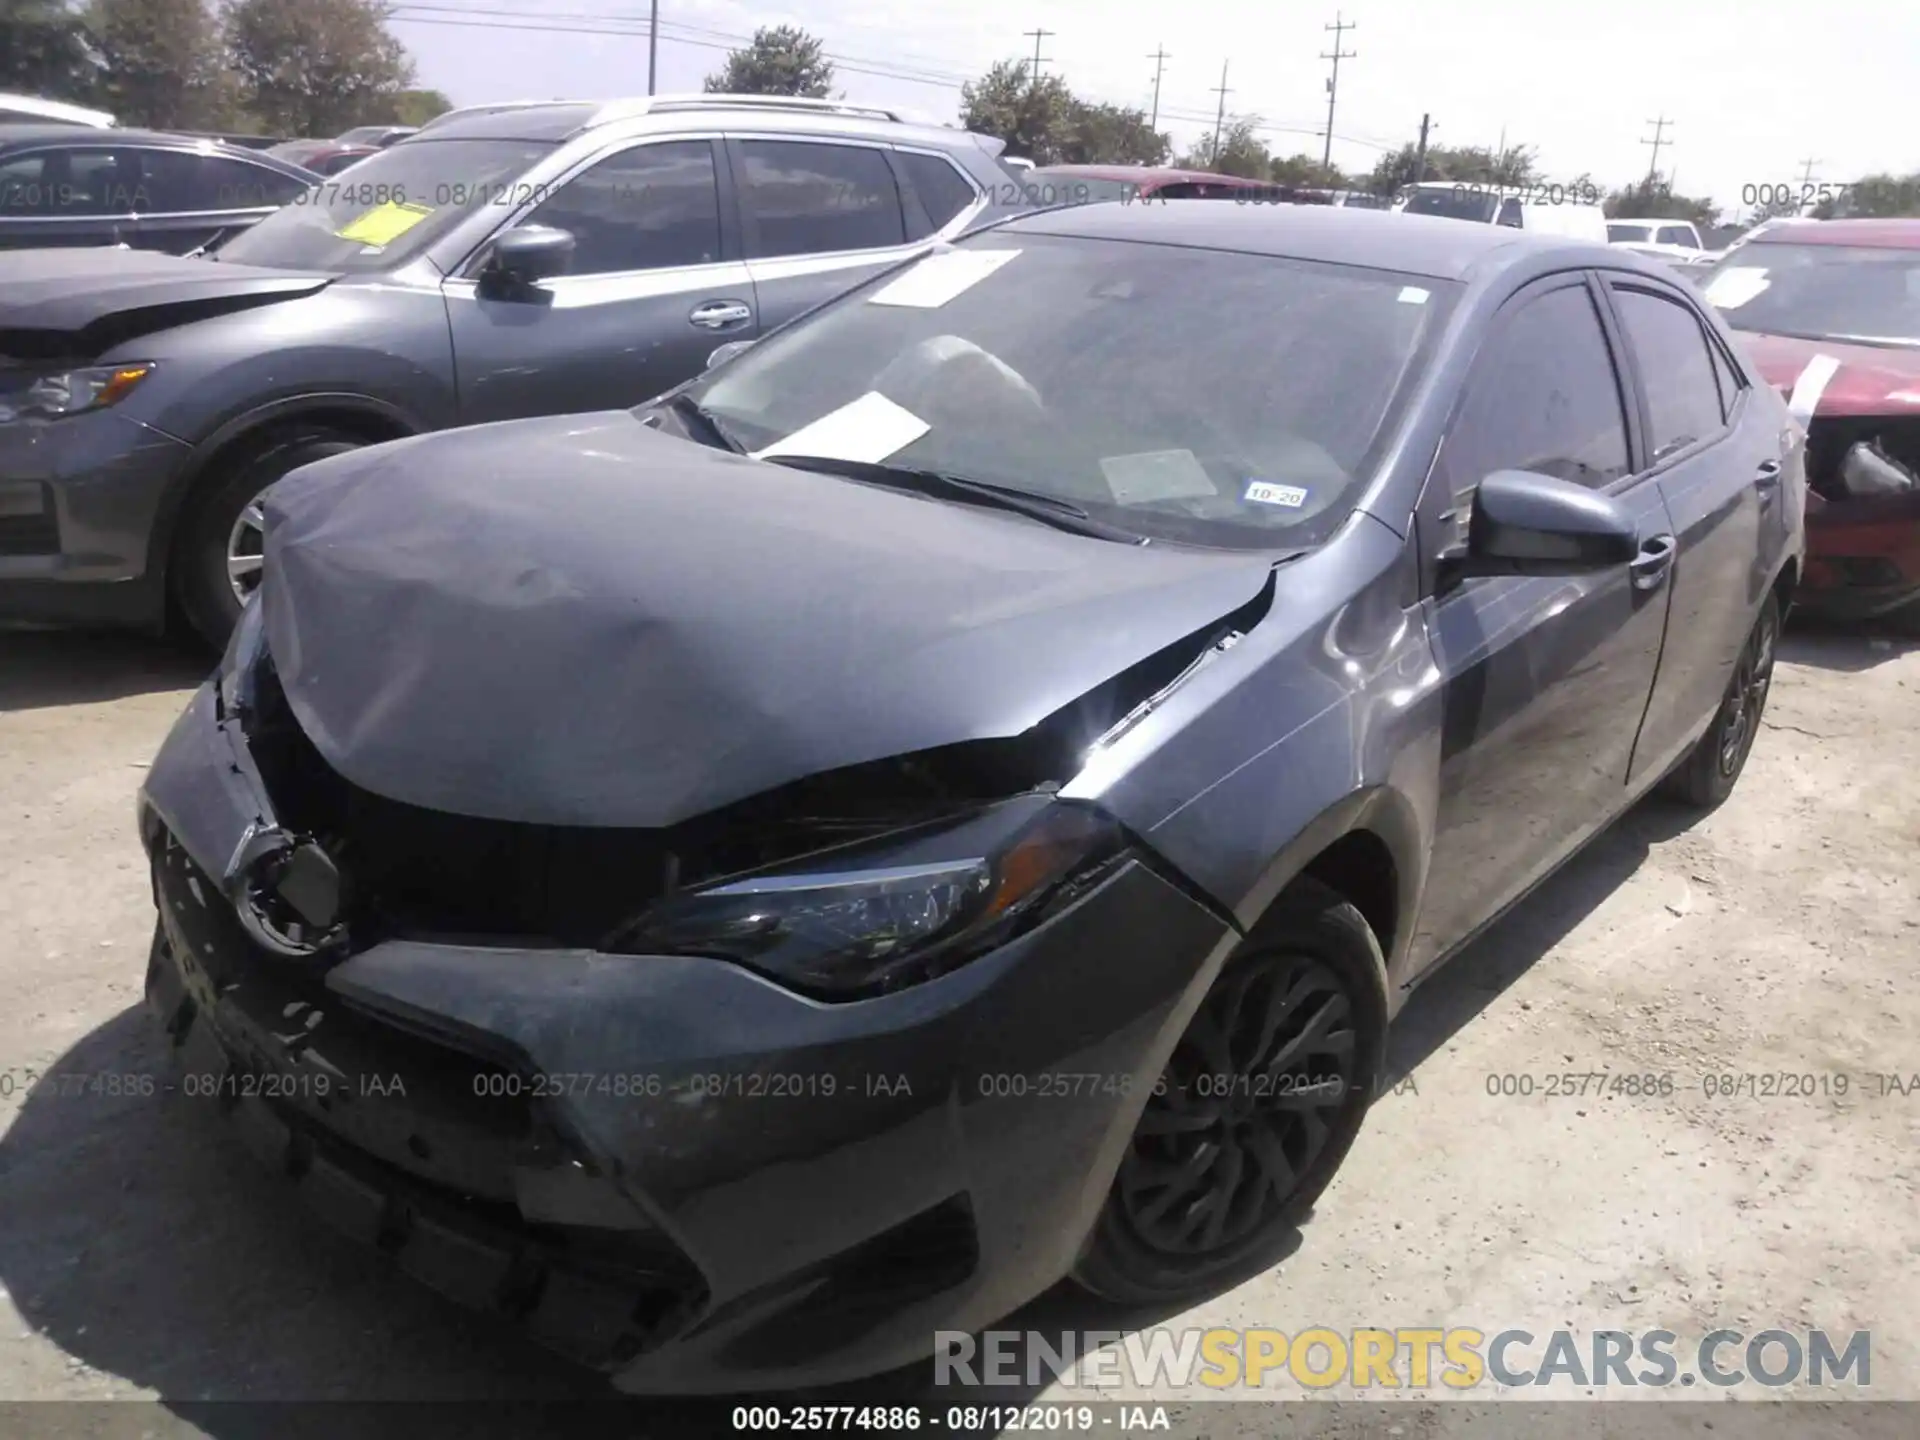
(669,104)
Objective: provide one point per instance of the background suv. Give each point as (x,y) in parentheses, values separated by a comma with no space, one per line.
(511,261)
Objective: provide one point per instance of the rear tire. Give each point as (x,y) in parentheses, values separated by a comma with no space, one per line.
(1708,774)
(218,549)
(1260,1102)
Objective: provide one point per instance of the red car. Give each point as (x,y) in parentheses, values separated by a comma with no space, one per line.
(1087,184)
(323,157)
(1831,315)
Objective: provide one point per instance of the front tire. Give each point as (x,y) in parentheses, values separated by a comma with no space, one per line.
(217,561)
(1260,1102)
(1708,774)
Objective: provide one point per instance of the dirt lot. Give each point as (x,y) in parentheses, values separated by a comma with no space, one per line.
(142,1254)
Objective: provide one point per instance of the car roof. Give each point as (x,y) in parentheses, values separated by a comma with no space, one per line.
(1149,173)
(1887,234)
(558,120)
(91,138)
(1429,245)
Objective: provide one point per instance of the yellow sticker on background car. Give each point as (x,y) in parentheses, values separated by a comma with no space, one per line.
(384,224)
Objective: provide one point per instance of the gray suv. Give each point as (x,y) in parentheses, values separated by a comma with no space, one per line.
(507,261)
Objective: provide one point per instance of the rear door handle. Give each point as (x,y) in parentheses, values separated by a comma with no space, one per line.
(1650,566)
(721,314)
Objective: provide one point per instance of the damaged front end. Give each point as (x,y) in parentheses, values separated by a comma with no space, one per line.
(693,1102)
(1863,515)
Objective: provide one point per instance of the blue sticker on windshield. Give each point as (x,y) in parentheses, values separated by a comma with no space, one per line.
(1263,492)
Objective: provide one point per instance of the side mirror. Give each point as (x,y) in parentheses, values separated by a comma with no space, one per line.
(726,352)
(525,256)
(1525,523)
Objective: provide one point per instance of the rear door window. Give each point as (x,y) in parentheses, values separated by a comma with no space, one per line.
(801,198)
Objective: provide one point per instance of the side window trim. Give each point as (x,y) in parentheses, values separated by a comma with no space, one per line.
(468,267)
(1645,465)
(736,142)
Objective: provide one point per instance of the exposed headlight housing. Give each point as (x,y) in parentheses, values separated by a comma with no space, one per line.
(58,394)
(879,918)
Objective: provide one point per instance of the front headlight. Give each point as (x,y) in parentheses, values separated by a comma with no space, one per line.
(56,395)
(865,926)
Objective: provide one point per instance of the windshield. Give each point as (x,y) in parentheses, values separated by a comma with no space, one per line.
(1821,292)
(396,203)
(1198,396)
(1459,202)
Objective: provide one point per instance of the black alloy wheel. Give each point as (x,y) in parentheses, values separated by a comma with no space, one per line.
(1707,776)
(1259,1103)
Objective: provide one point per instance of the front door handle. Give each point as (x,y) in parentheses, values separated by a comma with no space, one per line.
(1767,481)
(1651,565)
(721,314)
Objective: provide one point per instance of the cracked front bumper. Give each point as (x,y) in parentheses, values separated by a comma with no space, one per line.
(672,1168)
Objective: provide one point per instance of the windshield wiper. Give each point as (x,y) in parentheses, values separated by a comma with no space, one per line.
(1061,514)
(690,409)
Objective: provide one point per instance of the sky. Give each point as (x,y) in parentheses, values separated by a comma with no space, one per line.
(1750,93)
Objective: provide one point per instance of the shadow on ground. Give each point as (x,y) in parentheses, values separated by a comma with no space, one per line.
(43,668)
(144,1242)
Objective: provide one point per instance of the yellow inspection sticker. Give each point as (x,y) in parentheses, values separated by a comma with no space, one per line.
(384,224)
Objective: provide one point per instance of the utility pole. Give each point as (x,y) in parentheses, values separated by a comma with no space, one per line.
(653,45)
(1339,29)
(1659,133)
(1806,173)
(1420,152)
(1220,119)
(1159,58)
(1038,36)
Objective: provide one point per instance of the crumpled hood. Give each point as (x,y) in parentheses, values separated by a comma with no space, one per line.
(81,299)
(581,621)
(1871,380)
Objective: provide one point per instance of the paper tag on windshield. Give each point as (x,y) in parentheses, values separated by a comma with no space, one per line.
(1735,287)
(1156,475)
(1412,295)
(866,431)
(1265,492)
(384,224)
(940,277)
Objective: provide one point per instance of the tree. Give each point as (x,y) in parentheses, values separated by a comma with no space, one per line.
(1655,199)
(1306,172)
(1871,197)
(1101,134)
(43,50)
(315,67)
(1036,119)
(1239,151)
(1476,164)
(416,107)
(160,63)
(781,60)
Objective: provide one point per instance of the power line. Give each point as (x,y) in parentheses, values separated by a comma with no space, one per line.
(705,38)
(1159,58)
(1339,29)
(1038,36)
(1659,131)
(1221,118)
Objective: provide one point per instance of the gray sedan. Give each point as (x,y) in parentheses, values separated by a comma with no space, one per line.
(953,798)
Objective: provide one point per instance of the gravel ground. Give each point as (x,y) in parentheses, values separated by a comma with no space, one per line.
(143,1256)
